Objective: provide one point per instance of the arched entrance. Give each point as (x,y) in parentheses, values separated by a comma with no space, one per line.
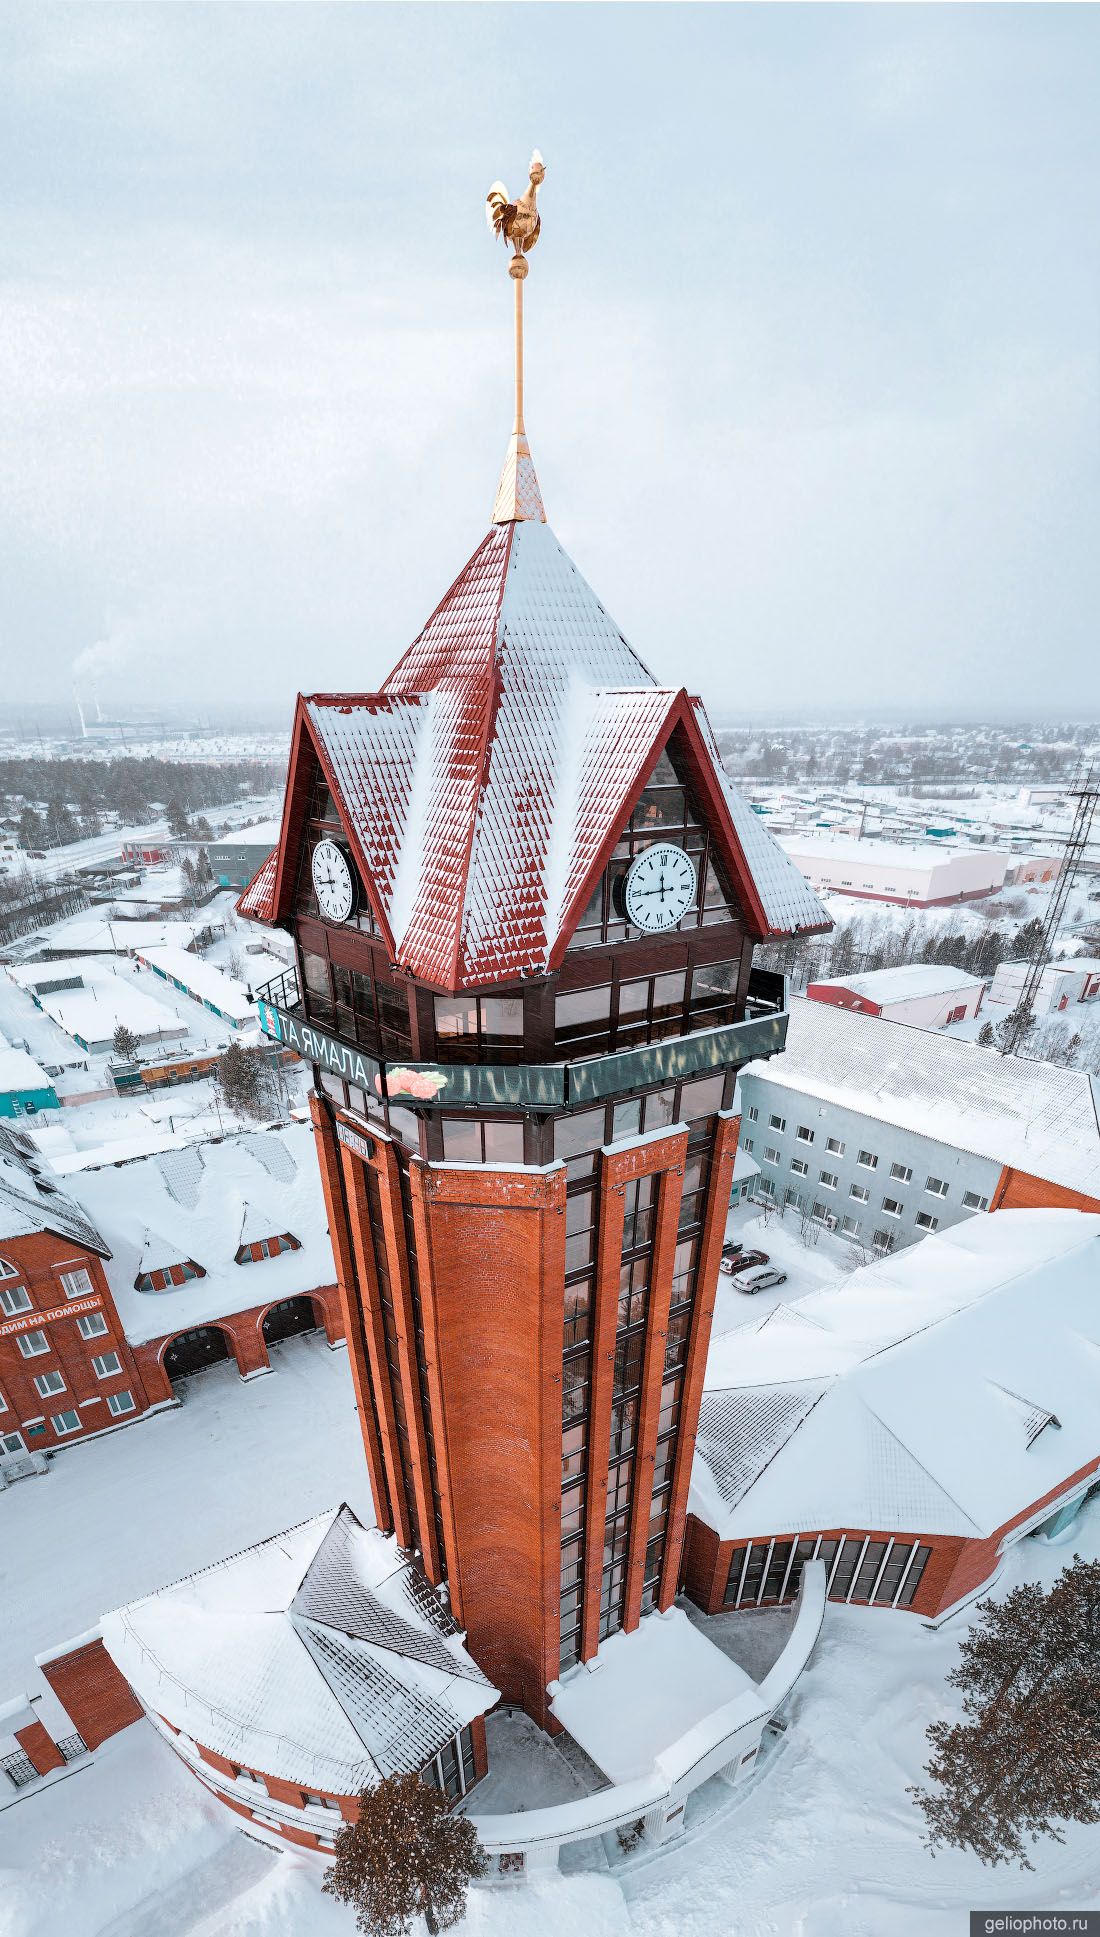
(193,1351)
(288,1318)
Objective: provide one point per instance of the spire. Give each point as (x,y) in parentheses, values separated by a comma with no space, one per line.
(518,496)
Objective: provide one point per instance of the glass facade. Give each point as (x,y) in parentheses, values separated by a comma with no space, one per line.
(666,811)
(879,1572)
(452,1770)
(578,1141)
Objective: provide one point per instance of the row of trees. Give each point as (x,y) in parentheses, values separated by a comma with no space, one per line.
(865,942)
(65,800)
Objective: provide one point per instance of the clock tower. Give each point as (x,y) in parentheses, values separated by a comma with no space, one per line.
(525,897)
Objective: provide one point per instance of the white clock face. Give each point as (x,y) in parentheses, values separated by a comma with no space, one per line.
(660,888)
(333,882)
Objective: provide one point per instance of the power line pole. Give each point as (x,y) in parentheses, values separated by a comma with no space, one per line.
(1086,792)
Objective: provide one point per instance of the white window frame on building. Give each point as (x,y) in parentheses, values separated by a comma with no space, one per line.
(926,1222)
(799,1168)
(936,1187)
(867,1160)
(49,1384)
(121,1403)
(828,1179)
(29,1344)
(834,1146)
(777,1123)
(893,1207)
(76,1281)
(902,1173)
(61,1426)
(15,1300)
(974,1201)
(859,1193)
(92,1325)
(804,1134)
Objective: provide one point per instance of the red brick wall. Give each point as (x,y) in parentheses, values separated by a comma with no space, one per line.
(40,1746)
(1017,1191)
(491,1249)
(243,1331)
(93,1692)
(41,1259)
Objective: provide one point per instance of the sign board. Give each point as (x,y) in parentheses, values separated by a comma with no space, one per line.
(33,1321)
(352,1140)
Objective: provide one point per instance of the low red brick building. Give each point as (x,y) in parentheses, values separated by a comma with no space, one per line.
(118,1283)
(66,1366)
(818,1439)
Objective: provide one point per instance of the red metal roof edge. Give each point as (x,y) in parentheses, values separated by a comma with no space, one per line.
(294,817)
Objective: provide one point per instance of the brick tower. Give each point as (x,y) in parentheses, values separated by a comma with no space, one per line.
(524,897)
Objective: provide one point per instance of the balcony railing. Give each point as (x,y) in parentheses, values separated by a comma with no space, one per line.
(522,1086)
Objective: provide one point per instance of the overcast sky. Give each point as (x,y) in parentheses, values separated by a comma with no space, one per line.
(812,342)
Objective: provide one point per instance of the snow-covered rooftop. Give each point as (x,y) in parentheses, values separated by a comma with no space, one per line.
(909,980)
(200,1203)
(322,1657)
(914,1395)
(483,785)
(205,981)
(895,854)
(104,997)
(18,1071)
(30,1200)
(1027,1114)
(86,934)
(647,1689)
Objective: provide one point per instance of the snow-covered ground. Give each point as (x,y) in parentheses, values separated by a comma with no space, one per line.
(119,1515)
(822,1842)
(808,1267)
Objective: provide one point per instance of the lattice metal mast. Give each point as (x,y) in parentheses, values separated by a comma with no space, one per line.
(1086,792)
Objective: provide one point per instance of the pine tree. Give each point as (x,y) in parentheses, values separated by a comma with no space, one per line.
(244,1079)
(176,815)
(1027,1756)
(985,1035)
(124,1043)
(406,1856)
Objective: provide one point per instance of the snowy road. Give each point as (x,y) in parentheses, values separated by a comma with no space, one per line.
(157,1499)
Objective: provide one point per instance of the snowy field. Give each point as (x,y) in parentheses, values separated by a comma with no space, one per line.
(821,1842)
(122,1514)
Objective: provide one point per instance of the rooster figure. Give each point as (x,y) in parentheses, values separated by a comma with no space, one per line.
(518,222)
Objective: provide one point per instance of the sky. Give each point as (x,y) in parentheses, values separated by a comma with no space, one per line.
(811,343)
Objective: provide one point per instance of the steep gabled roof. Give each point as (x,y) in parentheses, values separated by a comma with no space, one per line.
(484,787)
(30,1200)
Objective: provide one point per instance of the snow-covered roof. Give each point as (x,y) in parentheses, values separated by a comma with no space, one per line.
(1026,1114)
(84,933)
(895,854)
(908,981)
(257,901)
(485,783)
(92,1011)
(321,1657)
(912,1397)
(18,1071)
(195,1203)
(205,981)
(646,1690)
(31,1201)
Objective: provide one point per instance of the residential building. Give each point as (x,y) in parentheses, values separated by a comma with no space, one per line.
(927,995)
(124,1282)
(906,1427)
(66,1368)
(887,1133)
(236,859)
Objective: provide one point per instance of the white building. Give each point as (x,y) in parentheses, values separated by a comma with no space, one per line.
(926,995)
(1061,985)
(923,876)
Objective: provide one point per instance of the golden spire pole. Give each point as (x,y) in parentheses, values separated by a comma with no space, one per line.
(518,498)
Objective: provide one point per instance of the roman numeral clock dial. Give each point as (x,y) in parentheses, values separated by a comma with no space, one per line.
(333,882)
(660,887)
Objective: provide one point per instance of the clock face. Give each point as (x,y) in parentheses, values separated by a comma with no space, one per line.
(333,882)
(660,888)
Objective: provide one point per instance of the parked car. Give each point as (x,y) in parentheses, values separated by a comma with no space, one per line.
(744,1261)
(732,1248)
(754,1281)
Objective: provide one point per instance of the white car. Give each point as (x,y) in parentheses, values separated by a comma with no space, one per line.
(753,1281)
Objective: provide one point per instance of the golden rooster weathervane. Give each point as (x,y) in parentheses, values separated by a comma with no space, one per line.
(518,224)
